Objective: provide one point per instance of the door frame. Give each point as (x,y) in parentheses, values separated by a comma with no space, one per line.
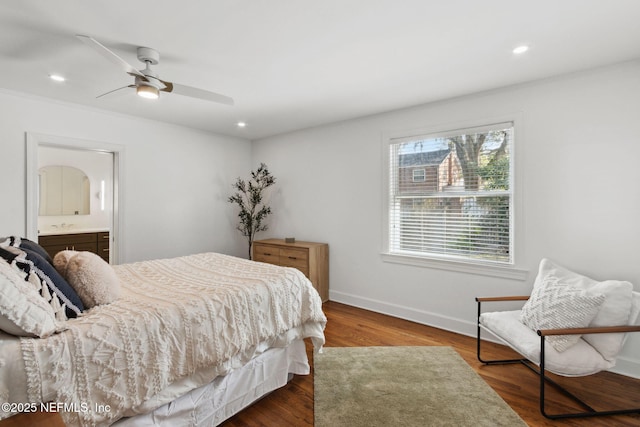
(34,141)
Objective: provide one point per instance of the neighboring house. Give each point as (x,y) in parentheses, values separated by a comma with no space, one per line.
(430,171)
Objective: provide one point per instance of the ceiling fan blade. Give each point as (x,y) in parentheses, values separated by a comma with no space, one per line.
(115,90)
(196,93)
(104,51)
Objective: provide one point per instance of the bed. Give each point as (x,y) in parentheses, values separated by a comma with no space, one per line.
(190,340)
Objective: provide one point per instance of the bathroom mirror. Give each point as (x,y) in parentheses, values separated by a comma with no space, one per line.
(64,190)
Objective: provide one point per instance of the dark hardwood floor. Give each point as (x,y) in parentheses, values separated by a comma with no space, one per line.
(349,326)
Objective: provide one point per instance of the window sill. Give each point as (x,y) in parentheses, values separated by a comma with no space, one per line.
(505,272)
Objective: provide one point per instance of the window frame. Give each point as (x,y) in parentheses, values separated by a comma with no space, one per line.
(487,268)
(423,173)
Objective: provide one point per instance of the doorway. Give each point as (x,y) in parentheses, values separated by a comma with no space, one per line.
(99,165)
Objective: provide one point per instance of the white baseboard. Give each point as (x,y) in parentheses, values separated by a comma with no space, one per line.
(624,366)
(627,367)
(419,316)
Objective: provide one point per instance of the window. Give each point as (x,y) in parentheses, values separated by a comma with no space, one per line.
(461,209)
(419,175)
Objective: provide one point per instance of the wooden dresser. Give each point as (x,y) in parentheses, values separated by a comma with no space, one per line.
(97,242)
(309,257)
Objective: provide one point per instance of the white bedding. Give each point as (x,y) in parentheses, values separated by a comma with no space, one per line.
(13,387)
(180,323)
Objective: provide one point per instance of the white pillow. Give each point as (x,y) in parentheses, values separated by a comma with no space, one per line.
(23,311)
(555,305)
(93,279)
(615,311)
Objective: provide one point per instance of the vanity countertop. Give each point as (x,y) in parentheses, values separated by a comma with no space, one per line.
(52,232)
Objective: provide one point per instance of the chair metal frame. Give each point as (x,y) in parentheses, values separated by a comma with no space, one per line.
(589,411)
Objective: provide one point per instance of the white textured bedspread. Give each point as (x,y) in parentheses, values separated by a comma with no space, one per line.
(196,316)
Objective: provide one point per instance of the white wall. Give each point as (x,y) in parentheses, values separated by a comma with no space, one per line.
(175,179)
(577,150)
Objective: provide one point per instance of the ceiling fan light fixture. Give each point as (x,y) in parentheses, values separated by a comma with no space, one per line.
(148,92)
(146,81)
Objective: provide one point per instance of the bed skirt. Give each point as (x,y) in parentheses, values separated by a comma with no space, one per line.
(227,395)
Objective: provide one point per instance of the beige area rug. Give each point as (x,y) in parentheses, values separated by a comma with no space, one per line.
(403,386)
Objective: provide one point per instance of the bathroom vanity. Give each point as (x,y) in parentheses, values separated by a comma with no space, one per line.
(94,241)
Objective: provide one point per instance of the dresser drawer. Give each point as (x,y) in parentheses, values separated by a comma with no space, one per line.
(264,253)
(298,258)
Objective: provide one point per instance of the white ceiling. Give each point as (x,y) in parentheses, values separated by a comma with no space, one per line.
(292,64)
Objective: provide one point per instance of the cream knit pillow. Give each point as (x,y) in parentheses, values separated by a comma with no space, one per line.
(615,310)
(555,305)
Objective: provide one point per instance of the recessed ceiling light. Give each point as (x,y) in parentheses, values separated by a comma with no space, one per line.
(57,77)
(520,49)
(241,124)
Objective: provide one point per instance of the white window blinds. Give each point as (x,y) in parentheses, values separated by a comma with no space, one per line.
(462,208)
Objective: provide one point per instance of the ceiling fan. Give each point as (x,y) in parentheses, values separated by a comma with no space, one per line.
(146,83)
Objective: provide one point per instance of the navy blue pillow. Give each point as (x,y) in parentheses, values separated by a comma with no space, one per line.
(49,276)
(7,255)
(22,242)
(33,246)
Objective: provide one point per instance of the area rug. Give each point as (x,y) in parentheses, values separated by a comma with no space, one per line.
(403,386)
